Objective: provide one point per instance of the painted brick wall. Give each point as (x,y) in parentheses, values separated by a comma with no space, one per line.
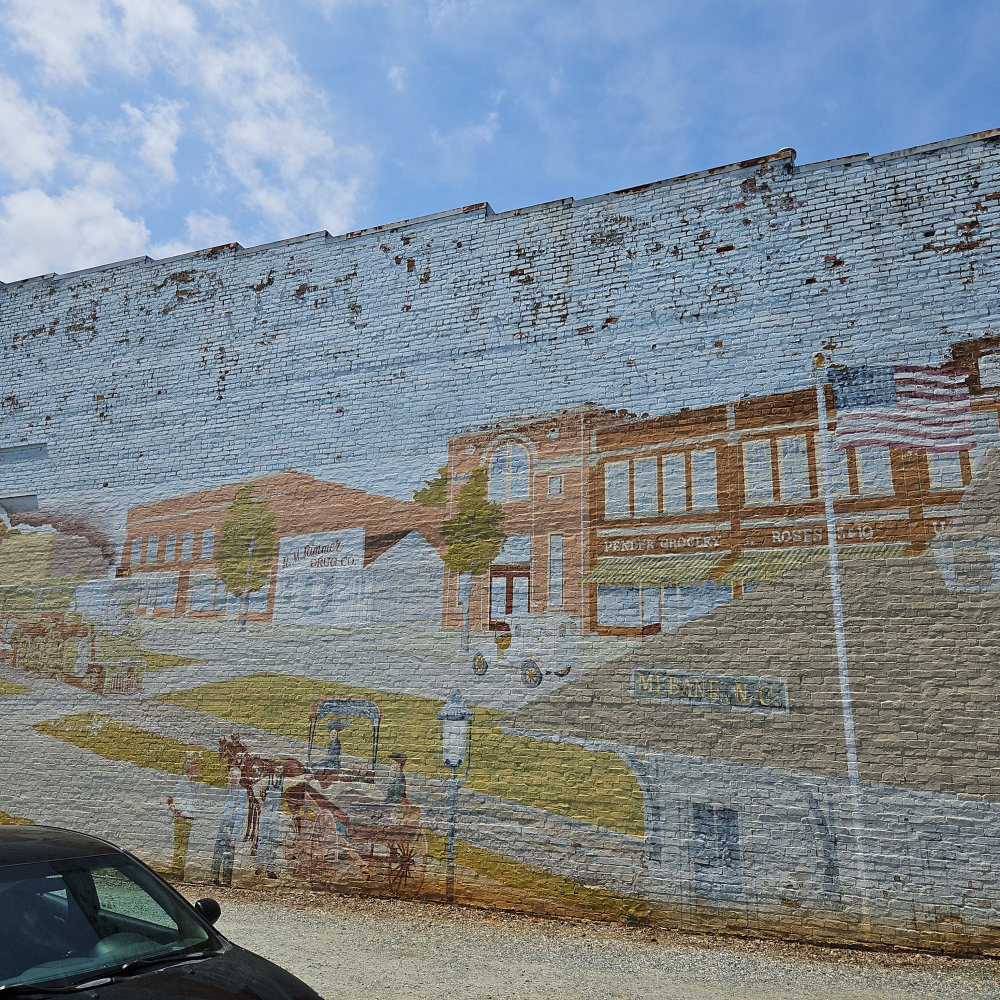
(268,509)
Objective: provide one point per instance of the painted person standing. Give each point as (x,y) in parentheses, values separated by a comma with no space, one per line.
(270,789)
(234,814)
(180,802)
(395,792)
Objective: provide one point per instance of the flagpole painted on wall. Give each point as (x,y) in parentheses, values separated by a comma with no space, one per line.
(850,740)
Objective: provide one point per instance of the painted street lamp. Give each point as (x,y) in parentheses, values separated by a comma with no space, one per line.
(455,722)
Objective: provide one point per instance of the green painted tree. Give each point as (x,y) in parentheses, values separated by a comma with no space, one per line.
(474,536)
(248,543)
(435,491)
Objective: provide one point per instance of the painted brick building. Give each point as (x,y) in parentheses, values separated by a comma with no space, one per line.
(738,739)
(330,538)
(539,471)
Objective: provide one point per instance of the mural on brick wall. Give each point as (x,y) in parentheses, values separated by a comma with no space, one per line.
(721,660)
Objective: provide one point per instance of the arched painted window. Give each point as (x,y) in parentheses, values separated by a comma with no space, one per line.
(509,471)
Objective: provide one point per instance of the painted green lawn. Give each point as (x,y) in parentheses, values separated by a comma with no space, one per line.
(115,740)
(557,777)
(530,882)
(164,661)
(7,820)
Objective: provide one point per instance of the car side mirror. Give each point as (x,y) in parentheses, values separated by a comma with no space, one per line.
(209,909)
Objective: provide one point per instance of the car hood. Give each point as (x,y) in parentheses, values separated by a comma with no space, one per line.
(232,973)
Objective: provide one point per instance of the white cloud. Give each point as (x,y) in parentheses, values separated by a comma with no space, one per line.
(71,38)
(460,144)
(209,229)
(58,33)
(203,229)
(397,77)
(250,101)
(275,137)
(32,136)
(443,13)
(158,129)
(78,228)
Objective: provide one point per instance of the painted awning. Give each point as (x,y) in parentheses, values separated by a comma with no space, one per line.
(763,565)
(654,571)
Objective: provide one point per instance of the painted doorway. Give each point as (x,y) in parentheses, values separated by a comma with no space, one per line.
(510,590)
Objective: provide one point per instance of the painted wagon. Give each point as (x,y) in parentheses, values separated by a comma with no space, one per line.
(64,646)
(346,833)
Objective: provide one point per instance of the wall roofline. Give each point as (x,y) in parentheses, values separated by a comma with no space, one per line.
(483,210)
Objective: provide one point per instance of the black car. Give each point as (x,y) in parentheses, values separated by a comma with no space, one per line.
(79,915)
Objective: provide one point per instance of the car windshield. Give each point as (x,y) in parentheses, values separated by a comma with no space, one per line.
(65,921)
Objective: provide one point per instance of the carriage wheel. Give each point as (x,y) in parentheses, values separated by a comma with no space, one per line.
(407,864)
(295,850)
(479,665)
(322,854)
(531,673)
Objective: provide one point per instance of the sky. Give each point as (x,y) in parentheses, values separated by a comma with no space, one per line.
(132,127)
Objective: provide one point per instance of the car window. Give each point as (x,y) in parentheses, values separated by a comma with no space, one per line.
(118,896)
(66,921)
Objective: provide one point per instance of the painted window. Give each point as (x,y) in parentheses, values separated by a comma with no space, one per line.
(617,500)
(674,484)
(650,600)
(498,597)
(987,435)
(716,851)
(646,501)
(555,486)
(793,468)
(945,470)
(555,571)
(207,543)
(840,480)
(758,483)
(170,549)
(166,592)
(619,606)
(201,595)
(136,553)
(874,470)
(703,480)
(516,551)
(187,545)
(152,546)
(509,471)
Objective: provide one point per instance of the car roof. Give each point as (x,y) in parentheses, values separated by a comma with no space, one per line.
(21,845)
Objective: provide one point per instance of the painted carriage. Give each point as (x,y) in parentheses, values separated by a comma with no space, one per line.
(533,644)
(348,833)
(67,647)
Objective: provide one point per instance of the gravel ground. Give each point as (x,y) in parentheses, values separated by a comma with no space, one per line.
(395,950)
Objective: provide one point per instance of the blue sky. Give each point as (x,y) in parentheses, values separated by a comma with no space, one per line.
(159,126)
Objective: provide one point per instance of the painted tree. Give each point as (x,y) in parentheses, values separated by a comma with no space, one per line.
(474,536)
(248,543)
(435,491)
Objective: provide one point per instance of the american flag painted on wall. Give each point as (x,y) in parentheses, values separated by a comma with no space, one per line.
(916,409)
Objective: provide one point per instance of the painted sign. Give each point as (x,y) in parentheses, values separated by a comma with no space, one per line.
(668,543)
(815,534)
(767,694)
(323,551)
